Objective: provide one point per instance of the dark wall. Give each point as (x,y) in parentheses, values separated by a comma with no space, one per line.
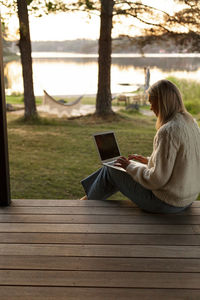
(4,164)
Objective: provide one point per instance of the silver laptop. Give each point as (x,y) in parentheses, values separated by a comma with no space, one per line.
(108,148)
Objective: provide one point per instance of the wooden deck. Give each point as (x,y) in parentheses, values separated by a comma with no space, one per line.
(72,249)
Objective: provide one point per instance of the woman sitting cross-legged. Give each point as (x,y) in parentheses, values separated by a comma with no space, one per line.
(169,180)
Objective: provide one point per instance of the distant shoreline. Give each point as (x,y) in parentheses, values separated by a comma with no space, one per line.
(40,54)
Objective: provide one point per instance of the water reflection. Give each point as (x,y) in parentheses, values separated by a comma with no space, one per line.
(78,75)
(13,76)
(165,64)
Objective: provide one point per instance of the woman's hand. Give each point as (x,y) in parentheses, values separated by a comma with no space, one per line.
(122,162)
(139,158)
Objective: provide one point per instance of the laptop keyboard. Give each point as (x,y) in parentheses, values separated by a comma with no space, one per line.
(111,163)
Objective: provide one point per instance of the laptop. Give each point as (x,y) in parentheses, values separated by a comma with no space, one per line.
(108,149)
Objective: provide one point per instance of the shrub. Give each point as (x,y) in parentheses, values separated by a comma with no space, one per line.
(190,90)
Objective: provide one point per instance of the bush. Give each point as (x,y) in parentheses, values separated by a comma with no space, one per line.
(190,90)
(193,107)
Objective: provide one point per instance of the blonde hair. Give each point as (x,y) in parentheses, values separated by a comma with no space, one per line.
(168,99)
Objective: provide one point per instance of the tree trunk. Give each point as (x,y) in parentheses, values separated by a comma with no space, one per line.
(26,60)
(103,101)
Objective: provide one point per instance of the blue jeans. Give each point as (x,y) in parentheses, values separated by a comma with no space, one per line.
(107,181)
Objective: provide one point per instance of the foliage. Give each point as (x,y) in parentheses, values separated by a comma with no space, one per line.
(193,107)
(190,90)
(36,7)
(183,25)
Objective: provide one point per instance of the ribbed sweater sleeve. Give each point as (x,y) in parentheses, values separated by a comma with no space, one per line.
(160,165)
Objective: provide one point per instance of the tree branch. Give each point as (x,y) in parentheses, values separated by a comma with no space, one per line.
(142,6)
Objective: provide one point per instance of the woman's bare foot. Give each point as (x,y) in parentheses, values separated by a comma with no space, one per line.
(84,198)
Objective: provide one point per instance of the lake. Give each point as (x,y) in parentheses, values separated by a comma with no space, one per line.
(76,74)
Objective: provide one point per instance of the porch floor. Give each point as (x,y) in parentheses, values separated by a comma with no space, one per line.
(109,250)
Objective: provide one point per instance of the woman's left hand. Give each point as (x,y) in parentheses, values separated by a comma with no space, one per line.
(122,162)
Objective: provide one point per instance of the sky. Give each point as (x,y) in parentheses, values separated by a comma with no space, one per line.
(69,26)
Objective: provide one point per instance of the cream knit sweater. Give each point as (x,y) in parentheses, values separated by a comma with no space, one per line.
(173,170)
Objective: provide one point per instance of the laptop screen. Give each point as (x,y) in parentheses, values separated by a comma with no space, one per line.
(107,145)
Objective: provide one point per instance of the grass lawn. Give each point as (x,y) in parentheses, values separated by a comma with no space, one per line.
(48,159)
(18,99)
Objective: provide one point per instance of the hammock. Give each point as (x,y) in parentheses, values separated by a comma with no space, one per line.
(50,105)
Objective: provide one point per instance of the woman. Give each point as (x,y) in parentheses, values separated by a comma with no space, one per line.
(168,181)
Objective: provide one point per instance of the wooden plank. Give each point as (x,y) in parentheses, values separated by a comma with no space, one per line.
(100,238)
(99,219)
(126,264)
(75,202)
(86,210)
(78,202)
(92,249)
(196,203)
(71,210)
(81,293)
(100,279)
(101,250)
(101,228)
